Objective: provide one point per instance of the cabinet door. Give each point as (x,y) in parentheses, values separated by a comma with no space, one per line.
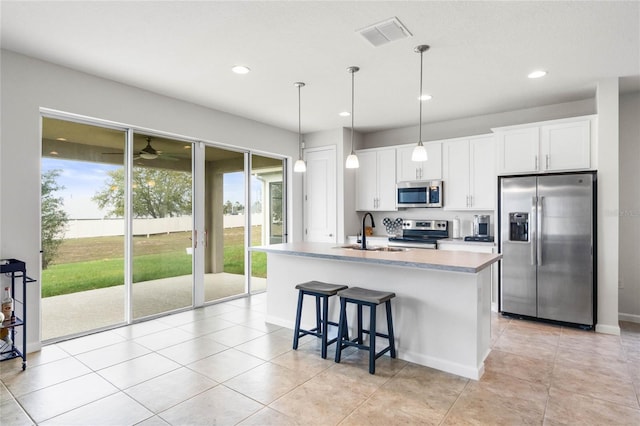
(518,150)
(566,146)
(456,174)
(366,180)
(386,196)
(407,169)
(483,182)
(423,170)
(432,168)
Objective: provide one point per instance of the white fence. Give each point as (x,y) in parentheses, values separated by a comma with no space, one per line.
(85,228)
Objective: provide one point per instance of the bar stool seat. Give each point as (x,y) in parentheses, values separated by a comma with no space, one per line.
(321,291)
(371,298)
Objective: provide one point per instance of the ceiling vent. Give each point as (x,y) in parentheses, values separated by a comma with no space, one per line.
(385,32)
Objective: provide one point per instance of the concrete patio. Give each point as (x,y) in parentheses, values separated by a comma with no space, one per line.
(71,314)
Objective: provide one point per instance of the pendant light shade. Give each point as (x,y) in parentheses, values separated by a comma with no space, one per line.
(299,166)
(420,152)
(352,160)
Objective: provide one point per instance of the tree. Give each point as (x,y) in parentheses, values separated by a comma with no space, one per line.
(156,193)
(54,219)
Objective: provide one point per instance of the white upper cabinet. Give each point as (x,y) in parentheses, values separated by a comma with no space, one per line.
(545,147)
(375,180)
(566,146)
(469,173)
(422,170)
(518,150)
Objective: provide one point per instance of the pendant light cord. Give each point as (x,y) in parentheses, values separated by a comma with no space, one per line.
(299,131)
(352,97)
(420,100)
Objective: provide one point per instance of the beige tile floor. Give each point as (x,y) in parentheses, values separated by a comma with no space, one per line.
(223,365)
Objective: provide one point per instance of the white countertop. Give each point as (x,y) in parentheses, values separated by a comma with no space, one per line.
(454,261)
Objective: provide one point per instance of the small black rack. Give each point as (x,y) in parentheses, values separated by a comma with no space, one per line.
(17,271)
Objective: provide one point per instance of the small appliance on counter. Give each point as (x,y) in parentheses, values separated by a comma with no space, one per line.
(481,229)
(421,233)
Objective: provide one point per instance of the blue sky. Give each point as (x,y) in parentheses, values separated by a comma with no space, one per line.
(83,179)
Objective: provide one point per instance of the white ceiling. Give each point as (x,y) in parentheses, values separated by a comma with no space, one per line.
(480,54)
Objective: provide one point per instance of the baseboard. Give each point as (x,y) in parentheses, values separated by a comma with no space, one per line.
(470,372)
(608,329)
(629,317)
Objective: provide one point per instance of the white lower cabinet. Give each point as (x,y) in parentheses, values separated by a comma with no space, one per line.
(460,245)
(376,180)
(469,173)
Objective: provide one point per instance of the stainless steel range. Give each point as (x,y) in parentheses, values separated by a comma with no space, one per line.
(421,233)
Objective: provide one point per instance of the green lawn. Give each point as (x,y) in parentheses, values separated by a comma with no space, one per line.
(91,263)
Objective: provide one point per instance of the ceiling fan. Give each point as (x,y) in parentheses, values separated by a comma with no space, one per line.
(148,153)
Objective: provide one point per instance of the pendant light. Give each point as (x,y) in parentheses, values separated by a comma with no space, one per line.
(352,159)
(420,152)
(300,165)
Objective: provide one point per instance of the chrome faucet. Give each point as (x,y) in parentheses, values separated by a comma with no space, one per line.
(364,234)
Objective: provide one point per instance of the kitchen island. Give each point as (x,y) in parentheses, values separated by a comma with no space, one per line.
(442,309)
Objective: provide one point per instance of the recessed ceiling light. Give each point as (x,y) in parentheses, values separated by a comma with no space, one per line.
(537,74)
(344,114)
(240,69)
(53,153)
(61,139)
(425,97)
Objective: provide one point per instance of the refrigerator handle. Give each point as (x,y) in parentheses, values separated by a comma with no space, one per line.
(533,232)
(539,230)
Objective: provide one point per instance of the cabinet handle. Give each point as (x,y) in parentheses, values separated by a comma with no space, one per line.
(547,161)
(536,167)
(417,173)
(470,200)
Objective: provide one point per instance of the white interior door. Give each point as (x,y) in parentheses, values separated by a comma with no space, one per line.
(320,214)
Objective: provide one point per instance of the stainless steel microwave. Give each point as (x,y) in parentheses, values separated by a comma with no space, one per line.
(421,193)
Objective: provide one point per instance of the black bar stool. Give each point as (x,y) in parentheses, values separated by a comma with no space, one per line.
(371,298)
(320,291)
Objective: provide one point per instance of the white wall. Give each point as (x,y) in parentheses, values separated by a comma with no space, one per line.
(607,101)
(29,84)
(345,180)
(629,272)
(478,125)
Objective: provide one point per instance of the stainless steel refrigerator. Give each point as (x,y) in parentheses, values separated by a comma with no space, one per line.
(547,240)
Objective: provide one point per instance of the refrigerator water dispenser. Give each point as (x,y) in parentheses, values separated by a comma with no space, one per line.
(518,226)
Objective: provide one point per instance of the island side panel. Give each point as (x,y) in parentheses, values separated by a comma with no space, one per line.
(439,317)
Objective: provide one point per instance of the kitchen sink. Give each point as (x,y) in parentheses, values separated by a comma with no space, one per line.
(372,248)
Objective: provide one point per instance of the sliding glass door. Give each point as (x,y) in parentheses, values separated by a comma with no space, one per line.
(82,228)
(268,213)
(139,224)
(162,225)
(224,223)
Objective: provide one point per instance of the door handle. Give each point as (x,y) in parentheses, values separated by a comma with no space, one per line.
(534,230)
(539,230)
(195,238)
